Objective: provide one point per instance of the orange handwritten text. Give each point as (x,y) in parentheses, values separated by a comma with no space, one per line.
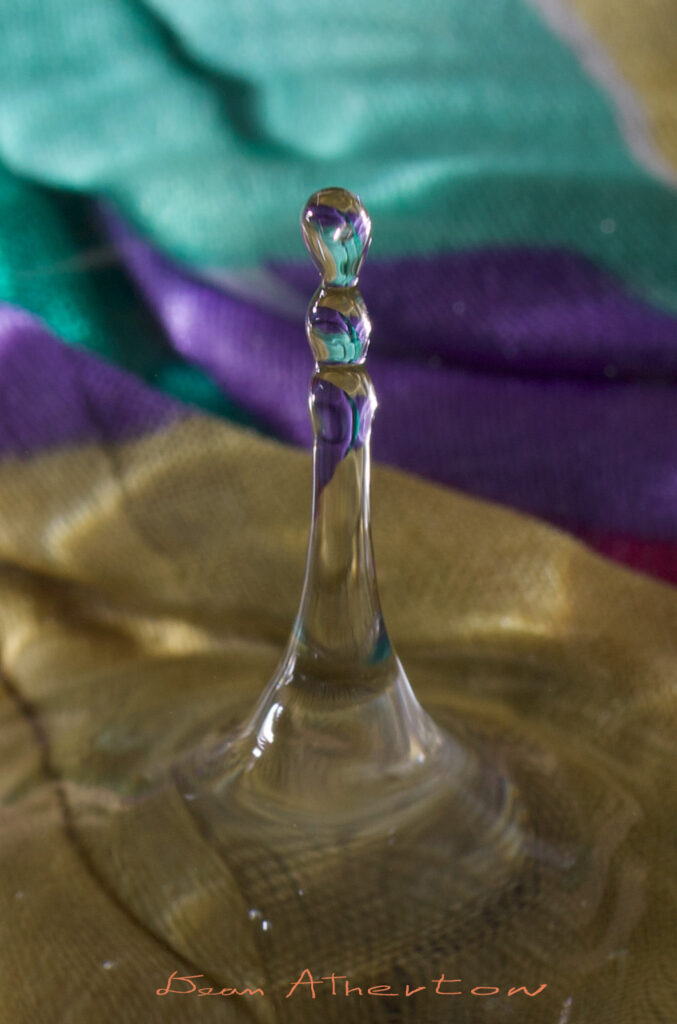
(309,985)
(176,986)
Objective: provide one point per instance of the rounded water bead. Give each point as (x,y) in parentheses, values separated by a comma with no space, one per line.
(336,229)
(338,326)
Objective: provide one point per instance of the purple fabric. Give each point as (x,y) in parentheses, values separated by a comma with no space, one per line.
(493,370)
(55,395)
(536,312)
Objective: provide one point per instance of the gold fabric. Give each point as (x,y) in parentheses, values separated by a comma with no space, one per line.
(146,593)
(640,41)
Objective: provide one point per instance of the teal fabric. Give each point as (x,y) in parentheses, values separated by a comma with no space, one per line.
(56,262)
(465,123)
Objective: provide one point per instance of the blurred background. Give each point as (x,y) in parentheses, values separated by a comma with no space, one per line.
(518,159)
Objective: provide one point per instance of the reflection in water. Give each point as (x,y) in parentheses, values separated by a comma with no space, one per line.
(570,693)
(536,876)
